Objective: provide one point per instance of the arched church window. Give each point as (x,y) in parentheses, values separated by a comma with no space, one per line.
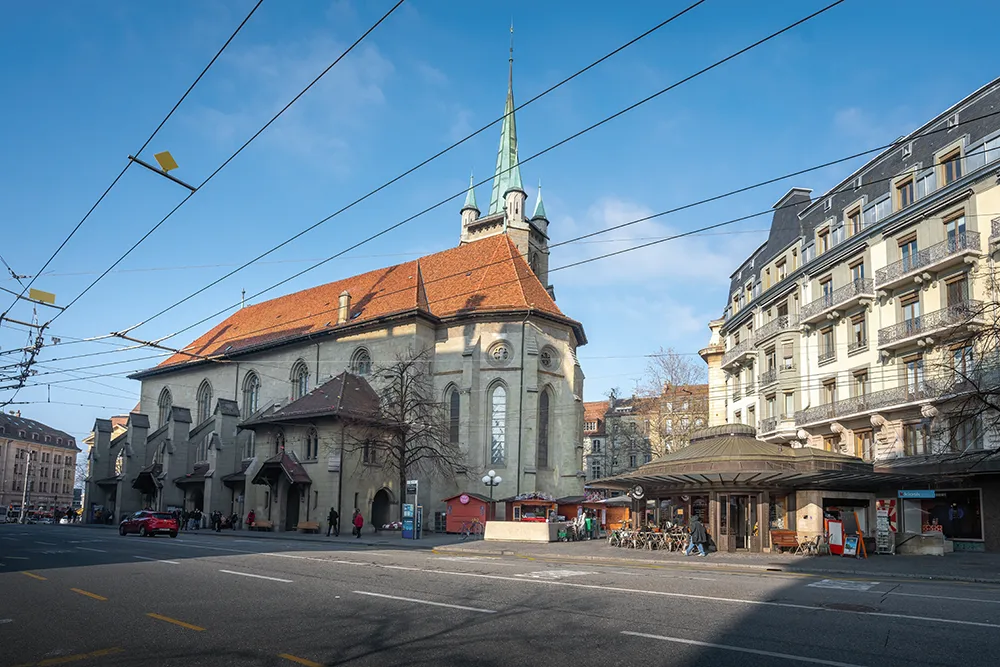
(120,462)
(251,394)
(300,380)
(454,405)
(165,404)
(279,442)
(204,401)
(499,353)
(312,444)
(548,358)
(361,362)
(498,425)
(543,430)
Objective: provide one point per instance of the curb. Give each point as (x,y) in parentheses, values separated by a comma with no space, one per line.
(702,564)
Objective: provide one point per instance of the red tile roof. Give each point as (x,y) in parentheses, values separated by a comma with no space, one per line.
(594,410)
(485,276)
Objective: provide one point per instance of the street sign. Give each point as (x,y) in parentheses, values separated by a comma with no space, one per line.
(411,487)
(912,494)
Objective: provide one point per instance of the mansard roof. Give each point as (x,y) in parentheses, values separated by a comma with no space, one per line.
(488,276)
(12,426)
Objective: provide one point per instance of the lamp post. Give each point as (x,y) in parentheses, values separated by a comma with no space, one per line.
(491,479)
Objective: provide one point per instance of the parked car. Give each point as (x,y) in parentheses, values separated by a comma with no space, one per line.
(46,520)
(149,524)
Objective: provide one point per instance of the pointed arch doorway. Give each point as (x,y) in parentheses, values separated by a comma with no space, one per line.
(381,508)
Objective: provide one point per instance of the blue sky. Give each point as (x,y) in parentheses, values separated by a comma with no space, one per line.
(86,83)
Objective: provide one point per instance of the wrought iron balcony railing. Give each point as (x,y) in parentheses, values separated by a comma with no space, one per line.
(736,352)
(826,356)
(995,228)
(774,327)
(737,395)
(852,290)
(750,389)
(856,346)
(768,425)
(927,257)
(954,315)
(768,377)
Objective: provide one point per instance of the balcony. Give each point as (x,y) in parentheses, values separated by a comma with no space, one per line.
(945,321)
(768,378)
(856,346)
(995,231)
(771,425)
(934,258)
(776,326)
(826,356)
(737,395)
(750,389)
(849,295)
(736,354)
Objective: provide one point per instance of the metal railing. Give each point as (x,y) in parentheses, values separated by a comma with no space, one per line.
(750,389)
(776,326)
(995,228)
(857,346)
(852,290)
(737,395)
(768,425)
(953,315)
(927,257)
(768,377)
(826,356)
(735,352)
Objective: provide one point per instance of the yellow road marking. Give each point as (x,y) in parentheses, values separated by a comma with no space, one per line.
(301,661)
(62,660)
(176,622)
(34,576)
(89,594)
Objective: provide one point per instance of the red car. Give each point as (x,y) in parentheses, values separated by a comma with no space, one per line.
(149,524)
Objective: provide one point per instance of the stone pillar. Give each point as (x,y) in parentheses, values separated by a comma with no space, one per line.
(712,354)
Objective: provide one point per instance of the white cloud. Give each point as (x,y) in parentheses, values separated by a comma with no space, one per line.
(431,75)
(704,260)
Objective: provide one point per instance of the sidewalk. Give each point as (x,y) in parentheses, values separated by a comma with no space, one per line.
(383,539)
(963,567)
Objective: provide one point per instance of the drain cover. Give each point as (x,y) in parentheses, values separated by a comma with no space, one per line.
(849,607)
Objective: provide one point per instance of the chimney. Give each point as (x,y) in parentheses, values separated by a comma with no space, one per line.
(344,309)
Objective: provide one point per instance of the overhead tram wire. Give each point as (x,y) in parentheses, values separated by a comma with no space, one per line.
(227,161)
(461,193)
(424,163)
(642,219)
(137,154)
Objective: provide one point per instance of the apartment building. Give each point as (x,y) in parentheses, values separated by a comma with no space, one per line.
(855,327)
(37,464)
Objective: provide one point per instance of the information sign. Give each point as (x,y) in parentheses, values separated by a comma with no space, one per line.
(851,546)
(884,542)
(915,494)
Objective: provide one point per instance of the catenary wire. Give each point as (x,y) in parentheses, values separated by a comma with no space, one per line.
(137,154)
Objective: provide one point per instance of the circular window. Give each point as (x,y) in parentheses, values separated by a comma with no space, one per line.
(547,358)
(500,353)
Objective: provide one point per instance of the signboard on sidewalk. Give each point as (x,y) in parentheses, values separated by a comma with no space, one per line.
(884,542)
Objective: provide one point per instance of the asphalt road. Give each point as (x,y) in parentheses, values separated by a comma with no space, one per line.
(82,596)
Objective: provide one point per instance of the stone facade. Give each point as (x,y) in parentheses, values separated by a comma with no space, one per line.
(47,483)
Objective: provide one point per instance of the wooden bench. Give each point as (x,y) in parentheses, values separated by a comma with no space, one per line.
(308,526)
(784,539)
(262,524)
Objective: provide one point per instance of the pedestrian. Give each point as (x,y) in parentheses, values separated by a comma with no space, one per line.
(334,519)
(698,536)
(359,522)
(251,519)
(234,519)
(185,517)
(217,521)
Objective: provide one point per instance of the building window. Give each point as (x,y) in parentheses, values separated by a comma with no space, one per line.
(830,391)
(916,439)
(120,462)
(279,442)
(769,404)
(822,240)
(863,445)
(910,311)
(861,383)
(202,454)
(300,380)
(595,469)
(789,404)
(951,167)
(961,362)
(782,269)
(904,193)
(547,358)
(859,333)
(787,358)
(964,433)
(958,293)
(738,417)
(165,404)
(361,362)
(595,447)
(204,401)
(827,347)
(955,232)
(926,184)
(454,414)
(498,425)
(251,394)
(542,453)
(312,444)
(830,443)
(858,273)
(853,220)
(913,375)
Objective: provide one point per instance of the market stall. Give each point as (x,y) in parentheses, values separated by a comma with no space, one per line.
(537,507)
(464,509)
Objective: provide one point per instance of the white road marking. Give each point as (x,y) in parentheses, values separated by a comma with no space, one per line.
(48,544)
(940,597)
(9,539)
(16,557)
(740,649)
(428,602)
(844,584)
(474,559)
(691,596)
(6,620)
(554,574)
(157,560)
(100,551)
(257,576)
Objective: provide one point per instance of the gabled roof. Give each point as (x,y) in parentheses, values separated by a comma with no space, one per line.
(281,463)
(593,411)
(485,276)
(346,396)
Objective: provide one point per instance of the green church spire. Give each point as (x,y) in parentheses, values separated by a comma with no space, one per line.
(508,174)
(470,196)
(539,206)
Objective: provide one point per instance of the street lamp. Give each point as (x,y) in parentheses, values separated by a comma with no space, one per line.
(491,479)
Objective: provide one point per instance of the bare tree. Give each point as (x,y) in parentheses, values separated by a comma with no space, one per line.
(410,433)
(675,384)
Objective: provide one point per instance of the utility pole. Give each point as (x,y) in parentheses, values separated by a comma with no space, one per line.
(24,489)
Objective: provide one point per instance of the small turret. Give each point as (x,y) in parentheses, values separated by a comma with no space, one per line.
(470,211)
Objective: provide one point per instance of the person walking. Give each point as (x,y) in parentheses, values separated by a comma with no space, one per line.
(698,536)
(334,520)
(217,521)
(251,519)
(185,520)
(359,522)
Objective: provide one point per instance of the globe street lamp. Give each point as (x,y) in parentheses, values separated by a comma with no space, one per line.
(491,479)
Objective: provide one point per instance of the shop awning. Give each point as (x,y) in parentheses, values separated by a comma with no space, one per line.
(281,464)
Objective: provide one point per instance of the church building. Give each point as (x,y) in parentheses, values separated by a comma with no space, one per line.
(254,414)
